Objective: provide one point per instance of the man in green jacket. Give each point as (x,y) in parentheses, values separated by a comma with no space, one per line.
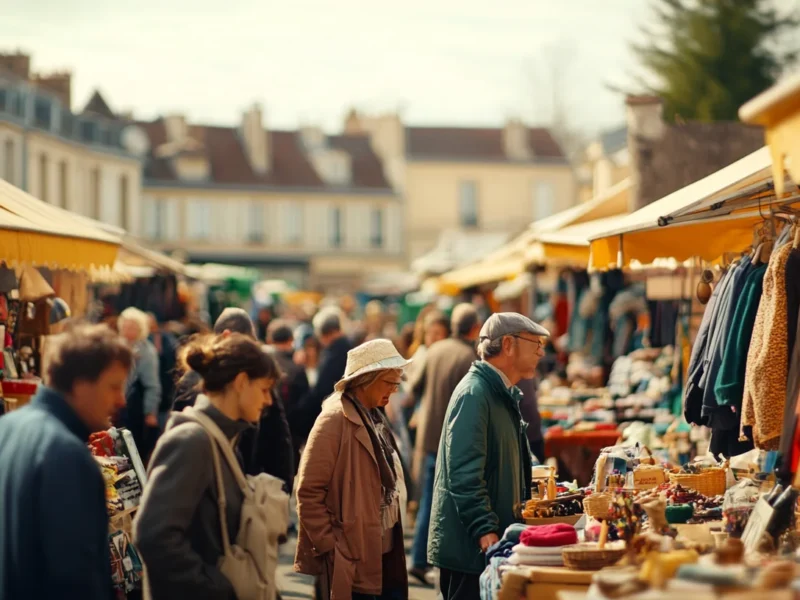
(483,469)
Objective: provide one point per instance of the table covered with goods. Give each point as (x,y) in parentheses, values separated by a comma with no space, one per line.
(646,528)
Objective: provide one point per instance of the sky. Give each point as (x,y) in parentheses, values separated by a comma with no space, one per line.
(445,62)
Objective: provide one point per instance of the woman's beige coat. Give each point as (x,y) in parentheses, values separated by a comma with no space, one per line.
(338,504)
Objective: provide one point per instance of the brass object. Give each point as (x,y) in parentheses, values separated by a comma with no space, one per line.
(704,286)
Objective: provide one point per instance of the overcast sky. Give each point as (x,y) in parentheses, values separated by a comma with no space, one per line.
(444,62)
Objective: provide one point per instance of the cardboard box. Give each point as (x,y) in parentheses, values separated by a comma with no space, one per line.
(647,479)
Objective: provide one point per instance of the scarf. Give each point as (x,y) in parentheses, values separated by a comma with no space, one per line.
(375,423)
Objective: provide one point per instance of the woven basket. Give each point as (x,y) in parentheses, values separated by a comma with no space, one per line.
(709,483)
(588,557)
(597,505)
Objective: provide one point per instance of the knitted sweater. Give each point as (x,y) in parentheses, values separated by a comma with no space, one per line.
(768,358)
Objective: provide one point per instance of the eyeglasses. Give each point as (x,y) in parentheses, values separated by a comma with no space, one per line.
(395,385)
(539,343)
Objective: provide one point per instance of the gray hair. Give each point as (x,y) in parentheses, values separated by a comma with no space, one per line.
(490,348)
(368,379)
(327,321)
(464,319)
(134,315)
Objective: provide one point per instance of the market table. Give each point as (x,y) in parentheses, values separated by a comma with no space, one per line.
(543,583)
(577,451)
(18,392)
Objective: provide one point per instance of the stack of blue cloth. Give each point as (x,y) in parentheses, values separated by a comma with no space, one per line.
(497,556)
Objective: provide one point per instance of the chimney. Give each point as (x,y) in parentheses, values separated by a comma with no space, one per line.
(175,124)
(515,140)
(353,124)
(18,63)
(644,117)
(387,137)
(256,139)
(58,83)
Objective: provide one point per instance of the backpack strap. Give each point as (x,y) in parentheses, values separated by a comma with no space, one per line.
(221,503)
(213,430)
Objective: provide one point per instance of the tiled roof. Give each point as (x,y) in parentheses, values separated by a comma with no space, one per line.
(461,143)
(688,152)
(289,164)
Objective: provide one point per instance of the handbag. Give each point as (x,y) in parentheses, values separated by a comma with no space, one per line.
(251,562)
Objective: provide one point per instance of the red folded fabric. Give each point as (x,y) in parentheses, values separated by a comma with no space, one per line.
(544,536)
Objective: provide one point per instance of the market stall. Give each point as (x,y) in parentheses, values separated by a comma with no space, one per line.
(658,524)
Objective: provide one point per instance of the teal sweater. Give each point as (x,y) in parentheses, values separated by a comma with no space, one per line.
(729,386)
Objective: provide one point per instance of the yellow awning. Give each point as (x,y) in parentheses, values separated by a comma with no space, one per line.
(37,233)
(567,246)
(511,259)
(778,111)
(705,219)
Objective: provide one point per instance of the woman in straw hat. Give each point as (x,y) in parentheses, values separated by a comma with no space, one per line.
(351,535)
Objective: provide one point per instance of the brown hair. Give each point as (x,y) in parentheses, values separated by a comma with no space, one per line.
(218,360)
(83,353)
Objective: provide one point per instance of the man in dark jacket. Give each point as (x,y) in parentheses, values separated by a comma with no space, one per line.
(267,449)
(293,384)
(446,363)
(53,516)
(483,469)
(329,328)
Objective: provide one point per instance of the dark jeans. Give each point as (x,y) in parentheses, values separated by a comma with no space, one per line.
(419,551)
(455,585)
(537,448)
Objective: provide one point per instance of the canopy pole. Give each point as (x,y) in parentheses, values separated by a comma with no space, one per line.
(620,254)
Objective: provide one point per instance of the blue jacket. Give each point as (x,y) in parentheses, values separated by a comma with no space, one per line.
(483,470)
(53,519)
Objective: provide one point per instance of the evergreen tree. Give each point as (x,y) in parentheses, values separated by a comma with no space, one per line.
(706,58)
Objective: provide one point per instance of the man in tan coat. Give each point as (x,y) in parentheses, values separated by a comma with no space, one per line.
(446,365)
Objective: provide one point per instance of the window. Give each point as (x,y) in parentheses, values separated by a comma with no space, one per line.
(255,222)
(292,223)
(335,237)
(94,193)
(43,172)
(160,218)
(63,183)
(4,95)
(376,228)
(199,220)
(123,201)
(544,200)
(8,167)
(468,204)
(88,131)
(42,112)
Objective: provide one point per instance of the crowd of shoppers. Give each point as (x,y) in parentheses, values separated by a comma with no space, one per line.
(354,424)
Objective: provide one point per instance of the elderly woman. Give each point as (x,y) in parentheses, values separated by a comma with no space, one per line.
(350,482)
(143,392)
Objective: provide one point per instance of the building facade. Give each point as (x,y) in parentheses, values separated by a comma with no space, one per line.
(303,206)
(604,163)
(470,180)
(74,160)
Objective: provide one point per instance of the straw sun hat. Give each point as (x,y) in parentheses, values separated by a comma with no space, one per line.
(376,355)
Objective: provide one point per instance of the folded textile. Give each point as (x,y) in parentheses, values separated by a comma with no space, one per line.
(513,532)
(539,551)
(549,535)
(535,561)
(490,579)
(504,548)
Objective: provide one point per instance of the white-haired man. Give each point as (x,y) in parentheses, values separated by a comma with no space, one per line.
(483,469)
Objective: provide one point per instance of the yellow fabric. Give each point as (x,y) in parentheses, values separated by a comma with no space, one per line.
(706,239)
(486,272)
(34,232)
(36,248)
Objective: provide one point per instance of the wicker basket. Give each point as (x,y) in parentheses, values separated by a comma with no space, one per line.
(709,483)
(588,557)
(597,505)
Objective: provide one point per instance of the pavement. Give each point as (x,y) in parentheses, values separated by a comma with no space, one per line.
(295,585)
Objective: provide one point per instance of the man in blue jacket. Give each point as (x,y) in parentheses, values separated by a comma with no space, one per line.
(53,517)
(483,469)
